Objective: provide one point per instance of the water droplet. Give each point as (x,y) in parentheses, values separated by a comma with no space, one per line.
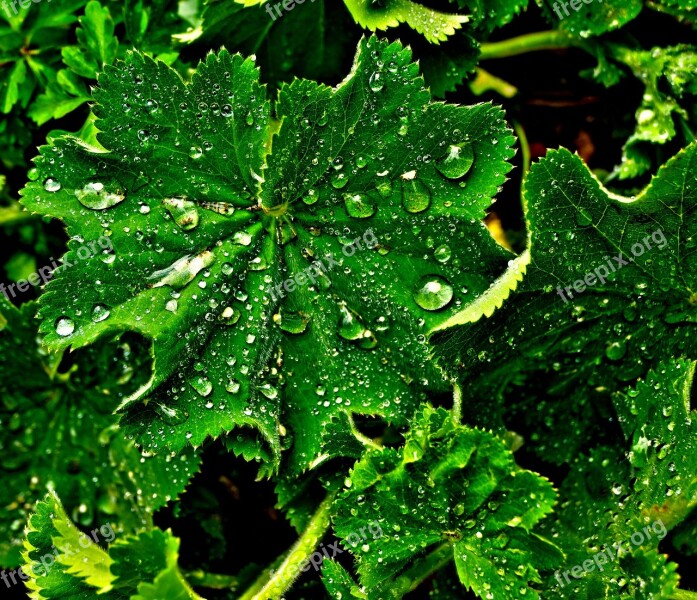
(359,206)
(376,82)
(416,197)
(202,385)
(183,271)
(433,292)
(339,180)
(100,313)
(184,212)
(52,185)
(442,253)
(457,161)
(310,197)
(616,350)
(65,326)
(195,152)
(242,237)
(95,197)
(268,391)
(291,322)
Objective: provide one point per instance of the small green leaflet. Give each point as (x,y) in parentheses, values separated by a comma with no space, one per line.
(142,567)
(384,188)
(450,492)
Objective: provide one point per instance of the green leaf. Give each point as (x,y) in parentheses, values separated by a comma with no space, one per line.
(58,432)
(451,491)
(338,582)
(592,18)
(10,90)
(491,14)
(657,420)
(671,69)
(206,228)
(142,567)
(435,26)
(555,353)
(97,45)
(315,42)
(61,561)
(598,515)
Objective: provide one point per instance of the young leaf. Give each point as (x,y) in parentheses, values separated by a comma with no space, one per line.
(142,567)
(217,246)
(435,26)
(62,562)
(451,492)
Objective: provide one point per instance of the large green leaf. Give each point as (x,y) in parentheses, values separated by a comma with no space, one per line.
(451,493)
(572,352)
(205,228)
(58,432)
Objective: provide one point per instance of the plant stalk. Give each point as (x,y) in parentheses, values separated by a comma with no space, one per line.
(530,42)
(272,584)
(421,570)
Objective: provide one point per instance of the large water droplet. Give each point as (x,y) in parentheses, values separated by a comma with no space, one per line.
(359,206)
(339,180)
(291,322)
(433,292)
(202,385)
(376,82)
(65,326)
(457,161)
(181,272)
(184,212)
(95,197)
(416,197)
(52,185)
(100,313)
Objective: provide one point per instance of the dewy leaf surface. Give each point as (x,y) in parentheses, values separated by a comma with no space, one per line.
(370,179)
(57,431)
(573,351)
(451,491)
(625,505)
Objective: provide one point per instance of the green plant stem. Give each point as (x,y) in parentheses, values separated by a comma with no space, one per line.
(684,595)
(211,581)
(456,411)
(485,81)
(530,42)
(361,437)
(274,584)
(421,570)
